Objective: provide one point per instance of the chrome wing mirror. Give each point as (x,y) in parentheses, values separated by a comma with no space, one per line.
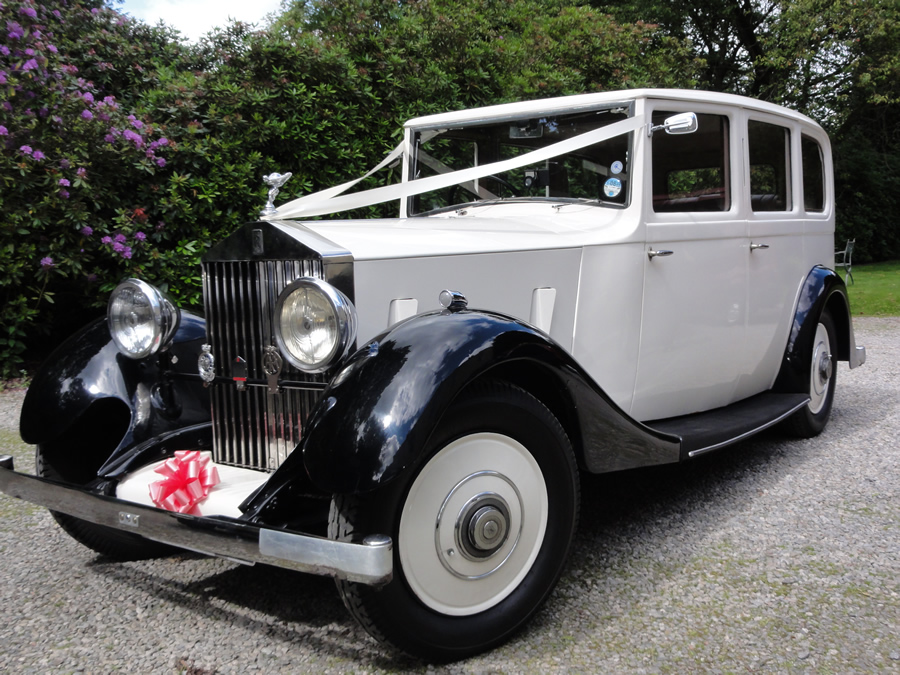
(682,123)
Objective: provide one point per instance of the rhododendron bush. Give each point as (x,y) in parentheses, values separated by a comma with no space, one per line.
(126,152)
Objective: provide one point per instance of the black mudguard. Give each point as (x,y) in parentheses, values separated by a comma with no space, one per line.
(823,289)
(375,418)
(87,398)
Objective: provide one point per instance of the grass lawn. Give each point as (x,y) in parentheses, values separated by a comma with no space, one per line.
(876,289)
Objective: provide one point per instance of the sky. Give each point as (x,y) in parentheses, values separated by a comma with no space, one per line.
(195,18)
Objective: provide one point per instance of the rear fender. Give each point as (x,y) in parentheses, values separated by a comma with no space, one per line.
(823,289)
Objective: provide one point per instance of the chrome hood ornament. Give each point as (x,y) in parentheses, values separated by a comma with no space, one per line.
(274,181)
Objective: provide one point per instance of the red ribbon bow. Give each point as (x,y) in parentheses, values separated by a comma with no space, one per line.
(187,481)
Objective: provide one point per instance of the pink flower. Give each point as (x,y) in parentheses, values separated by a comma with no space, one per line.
(38,155)
(25,150)
(81,172)
(106,240)
(140,236)
(46,263)
(64,182)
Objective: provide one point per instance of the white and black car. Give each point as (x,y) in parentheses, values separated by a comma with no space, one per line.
(590,283)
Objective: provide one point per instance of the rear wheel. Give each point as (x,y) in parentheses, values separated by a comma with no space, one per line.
(810,420)
(481,528)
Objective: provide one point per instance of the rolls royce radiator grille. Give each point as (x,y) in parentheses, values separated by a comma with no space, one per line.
(253,428)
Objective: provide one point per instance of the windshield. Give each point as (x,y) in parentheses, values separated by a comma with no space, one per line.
(596,173)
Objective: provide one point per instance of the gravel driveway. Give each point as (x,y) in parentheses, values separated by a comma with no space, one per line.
(774,556)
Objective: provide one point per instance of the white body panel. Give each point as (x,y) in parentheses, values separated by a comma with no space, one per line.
(667,336)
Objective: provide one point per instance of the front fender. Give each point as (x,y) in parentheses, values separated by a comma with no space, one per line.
(376,416)
(87,391)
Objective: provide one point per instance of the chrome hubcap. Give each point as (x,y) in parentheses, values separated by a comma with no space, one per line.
(821,371)
(482,526)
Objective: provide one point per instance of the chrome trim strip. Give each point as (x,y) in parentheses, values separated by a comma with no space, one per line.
(752,432)
(368,563)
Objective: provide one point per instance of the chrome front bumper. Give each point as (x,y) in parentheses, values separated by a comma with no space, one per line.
(370,562)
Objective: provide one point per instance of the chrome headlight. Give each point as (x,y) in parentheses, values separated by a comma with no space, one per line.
(315,324)
(141,320)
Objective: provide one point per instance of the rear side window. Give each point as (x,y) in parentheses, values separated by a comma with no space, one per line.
(770,166)
(690,172)
(813,174)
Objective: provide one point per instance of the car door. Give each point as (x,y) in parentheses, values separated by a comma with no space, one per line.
(775,226)
(694,309)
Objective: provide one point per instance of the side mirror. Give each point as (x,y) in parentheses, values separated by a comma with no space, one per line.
(683,123)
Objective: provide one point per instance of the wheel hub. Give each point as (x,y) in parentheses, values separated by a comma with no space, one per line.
(482,526)
(825,366)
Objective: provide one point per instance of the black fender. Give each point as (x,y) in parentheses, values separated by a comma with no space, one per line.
(822,289)
(375,417)
(89,400)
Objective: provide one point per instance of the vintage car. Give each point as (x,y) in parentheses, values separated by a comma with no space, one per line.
(589,283)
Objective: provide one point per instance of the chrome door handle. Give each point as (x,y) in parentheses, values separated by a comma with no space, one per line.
(662,254)
(753,246)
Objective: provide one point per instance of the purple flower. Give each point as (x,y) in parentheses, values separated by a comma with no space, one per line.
(52,49)
(64,194)
(88,96)
(64,164)
(160,162)
(140,236)
(4,50)
(43,112)
(3,131)
(30,64)
(29,12)
(29,52)
(64,182)
(110,101)
(46,263)
(87,115)
(87,231)
(95,11)
(7,106)
(38,155)
(14,30)
(109,138)
(127,252)
(56,13)
(163,141)
(121,238)
(137,124)
(81,172)
(133,137)
(106,240)
(2,77)
(160,226)
(118,247)
(25,150)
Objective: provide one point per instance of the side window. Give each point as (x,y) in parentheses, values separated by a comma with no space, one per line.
(813,175)
(690,172)
(770,166)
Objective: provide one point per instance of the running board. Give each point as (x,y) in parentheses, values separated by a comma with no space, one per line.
(714,429)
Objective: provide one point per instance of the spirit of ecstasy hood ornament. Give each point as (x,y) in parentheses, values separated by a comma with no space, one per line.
(274,181)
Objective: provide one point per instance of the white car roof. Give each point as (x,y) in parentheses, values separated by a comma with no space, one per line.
(586,101)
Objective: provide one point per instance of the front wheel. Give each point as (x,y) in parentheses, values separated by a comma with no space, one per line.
(481,528)
(810,420)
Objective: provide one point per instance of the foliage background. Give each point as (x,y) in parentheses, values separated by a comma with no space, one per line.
(125,152)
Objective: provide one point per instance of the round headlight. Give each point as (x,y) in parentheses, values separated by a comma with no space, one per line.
(141,320)
(315,324)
